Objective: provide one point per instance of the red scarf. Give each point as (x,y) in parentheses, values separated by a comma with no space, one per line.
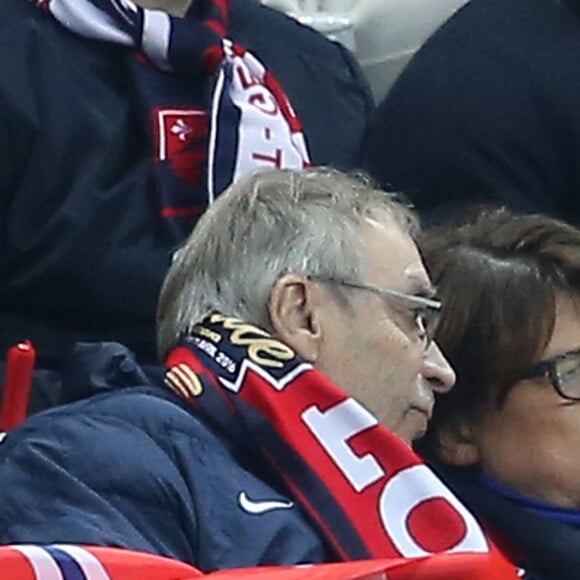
(70,562)
(367,492)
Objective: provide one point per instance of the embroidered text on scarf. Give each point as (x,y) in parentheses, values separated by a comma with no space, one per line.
(366,491)
(212,110)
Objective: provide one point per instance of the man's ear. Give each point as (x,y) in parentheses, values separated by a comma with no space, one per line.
(458,446)
(294,315)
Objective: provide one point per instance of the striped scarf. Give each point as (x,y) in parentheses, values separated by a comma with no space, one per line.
(212,110)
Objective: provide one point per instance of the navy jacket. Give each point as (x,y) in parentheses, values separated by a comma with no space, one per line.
(487,112)
(83,251)
(131,466)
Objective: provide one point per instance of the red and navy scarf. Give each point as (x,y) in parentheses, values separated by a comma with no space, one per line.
(74,562)
(364,489)
(211,109)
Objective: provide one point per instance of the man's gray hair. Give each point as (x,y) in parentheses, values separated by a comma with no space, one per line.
(268,224)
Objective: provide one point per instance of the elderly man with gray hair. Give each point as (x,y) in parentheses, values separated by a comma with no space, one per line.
(296,327)
(329,266)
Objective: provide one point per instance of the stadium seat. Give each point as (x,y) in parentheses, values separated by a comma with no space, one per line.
(383,34)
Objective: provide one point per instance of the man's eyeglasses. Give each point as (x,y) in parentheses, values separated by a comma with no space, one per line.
(563,372)
(425,314)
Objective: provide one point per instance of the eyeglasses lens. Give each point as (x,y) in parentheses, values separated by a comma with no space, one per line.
(428,321)
(568,374)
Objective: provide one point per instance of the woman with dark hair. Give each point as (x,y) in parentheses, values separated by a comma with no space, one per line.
(507,437)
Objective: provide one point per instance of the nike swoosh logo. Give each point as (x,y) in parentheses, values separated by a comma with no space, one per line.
(263,506)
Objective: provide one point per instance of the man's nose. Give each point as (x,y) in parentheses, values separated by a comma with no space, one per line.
(437,370)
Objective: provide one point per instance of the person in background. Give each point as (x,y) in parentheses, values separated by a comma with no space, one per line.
(295,325)
(486,113)
(506,438)
(84,244)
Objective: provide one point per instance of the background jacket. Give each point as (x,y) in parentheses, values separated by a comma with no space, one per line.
(82,250)
(487,112)
(132,467)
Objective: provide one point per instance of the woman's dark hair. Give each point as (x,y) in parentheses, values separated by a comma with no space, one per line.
(498,277)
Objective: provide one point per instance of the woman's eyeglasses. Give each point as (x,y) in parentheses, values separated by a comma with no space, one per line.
(563,371)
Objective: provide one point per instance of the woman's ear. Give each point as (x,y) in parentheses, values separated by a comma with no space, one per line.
(294,315)
(456,445)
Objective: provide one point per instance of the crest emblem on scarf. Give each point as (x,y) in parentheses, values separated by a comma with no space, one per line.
(181,140)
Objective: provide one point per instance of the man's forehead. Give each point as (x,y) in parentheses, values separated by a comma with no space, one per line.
(391,256)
